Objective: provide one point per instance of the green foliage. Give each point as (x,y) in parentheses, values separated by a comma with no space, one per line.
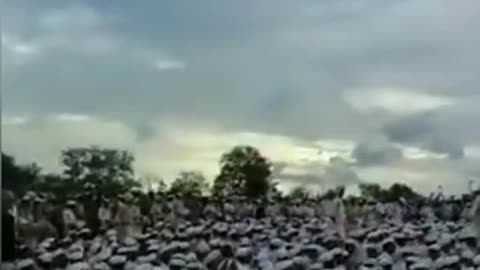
(108,171)
(372,190)
(189,183)
(397,191)
(299,193)
(18,178)
(273,191)
(393,193)
(243,171)
(154,183)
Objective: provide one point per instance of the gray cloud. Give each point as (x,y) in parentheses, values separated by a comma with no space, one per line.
(444,145)
(376,150)
(278,168)
(431,130)
(287,64)
(409,128)
(277,68)
(337,172)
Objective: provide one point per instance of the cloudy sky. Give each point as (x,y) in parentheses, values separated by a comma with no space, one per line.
(334,92)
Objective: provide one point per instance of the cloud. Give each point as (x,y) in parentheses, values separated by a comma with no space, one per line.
(302,71)
(16,52)
(173,146)
(72,29)
(396,101)
(13,45)
(376,150)
(424,174)
(318,176)
(409,128)
(14,120)
(76,30)
(67,117)
(426,130)
(176,145)
(163,65)
(340,173)
(72,17)
(57,133)
(445,145)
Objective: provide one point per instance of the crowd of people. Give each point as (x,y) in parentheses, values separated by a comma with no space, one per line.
(157,231)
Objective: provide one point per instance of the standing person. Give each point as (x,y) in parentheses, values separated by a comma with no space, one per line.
(134,211)
(260,210)
(340,214)
(8,227)
(475,214)
(69,218)
(25,210)
(122,217)
(91,213)
(104,214)
(156,212)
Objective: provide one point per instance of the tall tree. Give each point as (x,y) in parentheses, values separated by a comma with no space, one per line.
(108,171)
(18,178)
(398,190)
(374,191)
(299,193)
(154,183)
(56,184)
(243,170)
(189,183)
(393,193)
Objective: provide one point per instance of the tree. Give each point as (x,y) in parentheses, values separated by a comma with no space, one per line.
(243,171)
(273,191)
(299,193)
(397,191)
(108,171)
(18,178)
(56,184)
(374,191)
(189,183)
(154,183)
(393,193)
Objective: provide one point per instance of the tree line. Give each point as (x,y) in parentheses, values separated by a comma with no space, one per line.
(244,171)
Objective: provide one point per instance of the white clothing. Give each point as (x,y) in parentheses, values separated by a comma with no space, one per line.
(69,217)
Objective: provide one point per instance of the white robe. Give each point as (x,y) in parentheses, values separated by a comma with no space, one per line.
(475,215)
(229,209)
(104,215)
(328,208)
(69,218)
(340,217)
(135,228)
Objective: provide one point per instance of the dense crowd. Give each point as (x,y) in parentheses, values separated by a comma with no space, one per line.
(152,231)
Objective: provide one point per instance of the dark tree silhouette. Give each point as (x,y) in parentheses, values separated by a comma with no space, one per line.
(243,171)
(108,171)
(393,193)
(189,183)
(18,178)
(397,191)
(299,193)
(374,191)
(154,183)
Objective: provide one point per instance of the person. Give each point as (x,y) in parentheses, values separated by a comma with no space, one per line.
(104,214)
(134,211)
(260,211)
(340,215)
(8,227)
(122,216)
(475,214)
(69,218)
